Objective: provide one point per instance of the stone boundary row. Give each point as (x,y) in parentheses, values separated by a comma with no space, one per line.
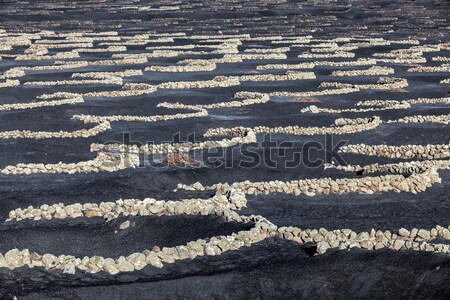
(403,151)
(206,67)
(131,207)
(444,119)
(104,162)
(58,55)
(107,75)
(375,70)
(218,81)
(344,126)
(325,186)
(342,239)
(289,75)
(245,136)
(108,81)
(216,245)
(12,73)
(382,105)
(250,98)
(440,58)
(337,91)
(128,90)
(413,167)
(435,69)
(68,99)
(9,83)
(310,65)
(333,49)
(227,81)
(155,118)
(386,105)
(383,83)
(103,50)
(101,126)
(338,54)
(415,239)
(267,50)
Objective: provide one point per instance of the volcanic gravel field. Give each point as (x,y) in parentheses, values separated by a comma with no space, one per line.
(224,149)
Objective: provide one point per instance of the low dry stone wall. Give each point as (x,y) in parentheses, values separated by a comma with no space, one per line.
(343,126)
(104,162)
(101,126)
(338,91)
(155,118)
(338,54)
(250,98)
(443,119)
(67,99)
(377,105)
(438,69)
(220,205)
(404,151)
(218,81)
(326,186)
(310,65)
(383,83)
(9,83)
(206,67)
(343,239)
(376,70)
(413,167)
(111,80)
(243,136)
